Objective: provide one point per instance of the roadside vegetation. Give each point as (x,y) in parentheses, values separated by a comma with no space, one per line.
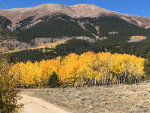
(8,93)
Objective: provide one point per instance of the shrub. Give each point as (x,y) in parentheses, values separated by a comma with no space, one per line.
(8,94)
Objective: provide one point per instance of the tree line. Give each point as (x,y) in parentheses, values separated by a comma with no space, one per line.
(88,68)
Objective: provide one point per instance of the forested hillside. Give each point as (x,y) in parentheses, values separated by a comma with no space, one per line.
(62,25)
(57,26)
(65,25)
(4,23)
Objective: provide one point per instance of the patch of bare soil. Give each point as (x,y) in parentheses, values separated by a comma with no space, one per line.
(105,99)
(37,105)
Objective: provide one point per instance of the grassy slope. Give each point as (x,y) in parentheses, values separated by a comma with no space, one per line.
(117,99)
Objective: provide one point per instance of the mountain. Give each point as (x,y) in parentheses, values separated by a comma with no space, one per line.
(52,25)
(75,11)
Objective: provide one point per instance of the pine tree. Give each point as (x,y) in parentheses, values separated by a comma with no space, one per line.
(53,81)
(147,68)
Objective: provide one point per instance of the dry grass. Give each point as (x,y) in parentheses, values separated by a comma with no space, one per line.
(137,38)
(106,99)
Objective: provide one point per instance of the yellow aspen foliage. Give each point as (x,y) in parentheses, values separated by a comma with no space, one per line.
(88,68)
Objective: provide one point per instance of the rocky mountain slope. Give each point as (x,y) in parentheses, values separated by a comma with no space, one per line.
(75,11)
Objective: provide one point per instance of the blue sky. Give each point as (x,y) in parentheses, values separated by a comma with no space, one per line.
(134,7)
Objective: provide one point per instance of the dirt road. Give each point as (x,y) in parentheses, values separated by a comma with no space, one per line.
(36,105)
(133,98)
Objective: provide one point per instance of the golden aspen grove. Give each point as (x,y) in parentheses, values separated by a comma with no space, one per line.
(86,69)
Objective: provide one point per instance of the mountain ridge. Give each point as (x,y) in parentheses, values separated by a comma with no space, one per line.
(74,11)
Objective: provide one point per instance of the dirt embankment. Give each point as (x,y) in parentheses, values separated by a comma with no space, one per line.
(106,99)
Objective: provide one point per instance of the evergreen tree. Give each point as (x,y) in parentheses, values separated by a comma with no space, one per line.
(147,68)
(53,81)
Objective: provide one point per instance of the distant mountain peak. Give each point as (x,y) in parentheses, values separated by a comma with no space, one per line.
(74,11)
